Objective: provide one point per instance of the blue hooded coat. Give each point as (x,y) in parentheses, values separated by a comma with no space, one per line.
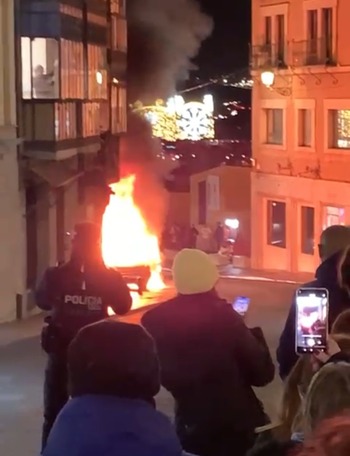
(111,426)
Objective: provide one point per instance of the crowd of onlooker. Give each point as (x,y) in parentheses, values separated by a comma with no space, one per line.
(200,350)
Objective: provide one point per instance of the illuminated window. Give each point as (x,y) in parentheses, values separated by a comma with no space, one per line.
(97,84)
(91,119)
(340,129)
(118,7)
(305,127)
(65,121)
(333,216)
(307,230)
(274,126)
(276,224)
(40,69)
(118,109)
(71,11)
(119,33)
(72,69)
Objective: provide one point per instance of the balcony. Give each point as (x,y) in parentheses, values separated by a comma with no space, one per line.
(313,52)
(58,129)
(265,56)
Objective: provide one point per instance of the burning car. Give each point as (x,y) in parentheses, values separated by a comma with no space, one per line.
(127,243)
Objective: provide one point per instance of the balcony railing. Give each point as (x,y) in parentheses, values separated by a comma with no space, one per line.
(313,52)
(268,56)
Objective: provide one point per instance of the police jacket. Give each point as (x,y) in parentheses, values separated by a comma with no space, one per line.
(78,295)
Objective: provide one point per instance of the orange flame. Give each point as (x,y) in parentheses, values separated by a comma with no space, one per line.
(126,238)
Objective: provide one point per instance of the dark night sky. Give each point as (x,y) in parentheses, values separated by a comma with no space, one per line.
(228,47)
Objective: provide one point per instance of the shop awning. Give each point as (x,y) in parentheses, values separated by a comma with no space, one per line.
(56,174)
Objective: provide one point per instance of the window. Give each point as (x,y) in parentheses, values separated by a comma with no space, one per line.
(119,109)
(119,33)
(276,212)
(118,7)
(40,69)
(312,34)
(268,31)
(307,230)
(72,11)
(305,127)
(339,128)
(91,119)
(202,202)
(280,38)
(274,126)
(72,70)
(333,216)
(327,34)
(65,121)
(97,85)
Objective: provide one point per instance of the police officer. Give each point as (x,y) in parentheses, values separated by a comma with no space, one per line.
(76,293)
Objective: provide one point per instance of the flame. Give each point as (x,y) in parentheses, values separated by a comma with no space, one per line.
(126,238)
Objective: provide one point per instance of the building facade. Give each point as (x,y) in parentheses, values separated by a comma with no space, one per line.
(63,110)
(301,129)
(12,221)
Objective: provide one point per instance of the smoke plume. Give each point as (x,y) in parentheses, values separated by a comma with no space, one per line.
(164,36)
(139,155)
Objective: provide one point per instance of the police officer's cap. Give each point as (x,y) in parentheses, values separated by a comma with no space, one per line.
(87,232)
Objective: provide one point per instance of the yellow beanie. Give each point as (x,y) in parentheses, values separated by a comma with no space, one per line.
(194,272)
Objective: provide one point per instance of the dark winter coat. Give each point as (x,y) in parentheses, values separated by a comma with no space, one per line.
(209,362)
(339,300)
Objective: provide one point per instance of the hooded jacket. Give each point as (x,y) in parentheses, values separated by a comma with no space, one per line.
(326,277)
(209,362)
(111,426)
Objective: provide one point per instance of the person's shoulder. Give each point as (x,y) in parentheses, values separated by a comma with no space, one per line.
(159,310)
(275,447)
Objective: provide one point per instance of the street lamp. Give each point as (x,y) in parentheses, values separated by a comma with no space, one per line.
(267,78)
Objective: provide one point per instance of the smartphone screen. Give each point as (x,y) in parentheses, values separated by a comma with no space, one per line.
(311,328)
(241,305)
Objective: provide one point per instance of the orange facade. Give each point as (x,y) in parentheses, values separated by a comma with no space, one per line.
(301,128)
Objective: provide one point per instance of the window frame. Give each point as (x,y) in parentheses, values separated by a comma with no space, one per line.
(269,206)
(309,105)
(273,104)
(333,105)
(319,5)
(303,231)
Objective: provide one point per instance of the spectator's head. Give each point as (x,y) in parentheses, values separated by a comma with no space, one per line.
(38,70)
(328,394)
(294,391)
(115,359)
(194,272)
(332,438)
(341,325)
(333,239)
(86,242)
(299,380)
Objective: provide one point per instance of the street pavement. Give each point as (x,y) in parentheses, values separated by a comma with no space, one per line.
(22,362)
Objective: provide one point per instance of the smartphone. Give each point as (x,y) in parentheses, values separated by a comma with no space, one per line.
(311,328)
(241,305)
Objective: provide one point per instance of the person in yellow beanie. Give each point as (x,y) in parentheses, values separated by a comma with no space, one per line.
(209,361)
(194,272)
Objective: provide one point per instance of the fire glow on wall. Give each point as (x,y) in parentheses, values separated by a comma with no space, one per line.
(177,120)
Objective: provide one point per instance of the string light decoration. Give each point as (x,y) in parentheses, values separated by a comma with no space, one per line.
(178,120)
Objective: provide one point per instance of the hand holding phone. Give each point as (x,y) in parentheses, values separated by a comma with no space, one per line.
(311,326)
(241,305)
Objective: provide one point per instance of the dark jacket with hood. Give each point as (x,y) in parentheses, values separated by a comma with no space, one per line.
(209,362)
(339,300)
